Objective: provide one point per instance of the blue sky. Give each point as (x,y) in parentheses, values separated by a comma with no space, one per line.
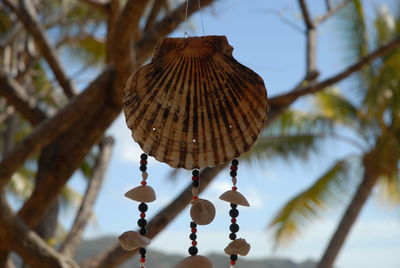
(275,51)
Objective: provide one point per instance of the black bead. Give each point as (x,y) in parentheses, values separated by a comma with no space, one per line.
(196,184)
(193,236)
(235,162)
(233,173)
(232,236)
(234,228)
(233,205)
(142,251)
(143,168)
(143,231)
(143,156)
(193,224)
(234,257)
(234,213)
(142,223)
(143,207)
(195,173)
(143,256)
(193,251)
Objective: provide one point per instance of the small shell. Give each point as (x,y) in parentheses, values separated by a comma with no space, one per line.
(235,197)
(238,247)
(195,262)
(131,240)
(194,105)
(142,193)
(202,212)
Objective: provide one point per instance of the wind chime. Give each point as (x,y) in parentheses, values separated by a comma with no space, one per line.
(194,106)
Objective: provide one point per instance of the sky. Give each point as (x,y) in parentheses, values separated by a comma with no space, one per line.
(274,50)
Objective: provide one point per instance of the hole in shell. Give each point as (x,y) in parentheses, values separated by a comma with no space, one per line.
(230,126)
(194,140)
(154,129)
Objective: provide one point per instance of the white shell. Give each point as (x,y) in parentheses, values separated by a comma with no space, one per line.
(238,247)
(235,197)
(131,240)
(142,193)
(202,212)
(195,262)
(194,105)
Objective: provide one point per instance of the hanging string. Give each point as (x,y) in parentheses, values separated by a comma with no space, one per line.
(186,18)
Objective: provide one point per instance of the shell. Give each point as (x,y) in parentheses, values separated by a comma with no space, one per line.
(131,240)
(194,105)
(235,197)
(202,212)
(142,193)
(238,247)
(195,262)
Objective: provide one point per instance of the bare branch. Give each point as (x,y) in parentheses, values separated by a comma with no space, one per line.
(49,129)
(17,97)
(332,11)
(328,4)
(151,19)
(308,21)
(71,242)
(165,26)
(16,236)
(116,255)
(285,20)
(10,35)
(27,14)
(287,98)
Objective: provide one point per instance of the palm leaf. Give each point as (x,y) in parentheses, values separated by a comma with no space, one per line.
(326,191)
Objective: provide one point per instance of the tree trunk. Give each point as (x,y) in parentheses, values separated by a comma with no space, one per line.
(348,219)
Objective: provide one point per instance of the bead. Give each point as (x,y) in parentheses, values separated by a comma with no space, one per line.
(143,156)
(234,188)
(194,178)
(234,213)
(143,231)
(142,223)
(194,243)
(234,167)
(196,173)
(142,251)
(232,236)
(194,230)
(193,224)
(195,197)
(234,257)
(232,263)
(234,228)
(145,175)
(143,207)
(143,162)
(193,250)
(143,183)
(233,173)
(143,168)
(193,236)
(142,215)
(233,220)
(233,205)
(142,260)
(196,184)
(235,162)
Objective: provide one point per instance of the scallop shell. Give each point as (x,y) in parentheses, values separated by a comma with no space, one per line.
(202,212)
(194,105)
(195,262)
(235,197)
(238,247)
(142,193)
(131,240)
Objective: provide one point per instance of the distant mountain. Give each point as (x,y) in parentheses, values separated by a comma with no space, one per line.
(161,260)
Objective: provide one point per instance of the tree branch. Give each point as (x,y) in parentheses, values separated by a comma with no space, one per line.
(332,11)
(116,255)
(27,14)
(71,242)
(96,4)
(286,99)
(15,95)
(16,236)
(151,19)
(306,15)
(49,129)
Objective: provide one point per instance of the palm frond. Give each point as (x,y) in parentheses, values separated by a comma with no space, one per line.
(306,206)
(389,189)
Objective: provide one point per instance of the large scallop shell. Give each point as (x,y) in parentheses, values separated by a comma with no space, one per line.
(195,262)
(194,105)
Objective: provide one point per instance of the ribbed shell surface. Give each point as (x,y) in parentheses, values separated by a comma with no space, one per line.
(194,105)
